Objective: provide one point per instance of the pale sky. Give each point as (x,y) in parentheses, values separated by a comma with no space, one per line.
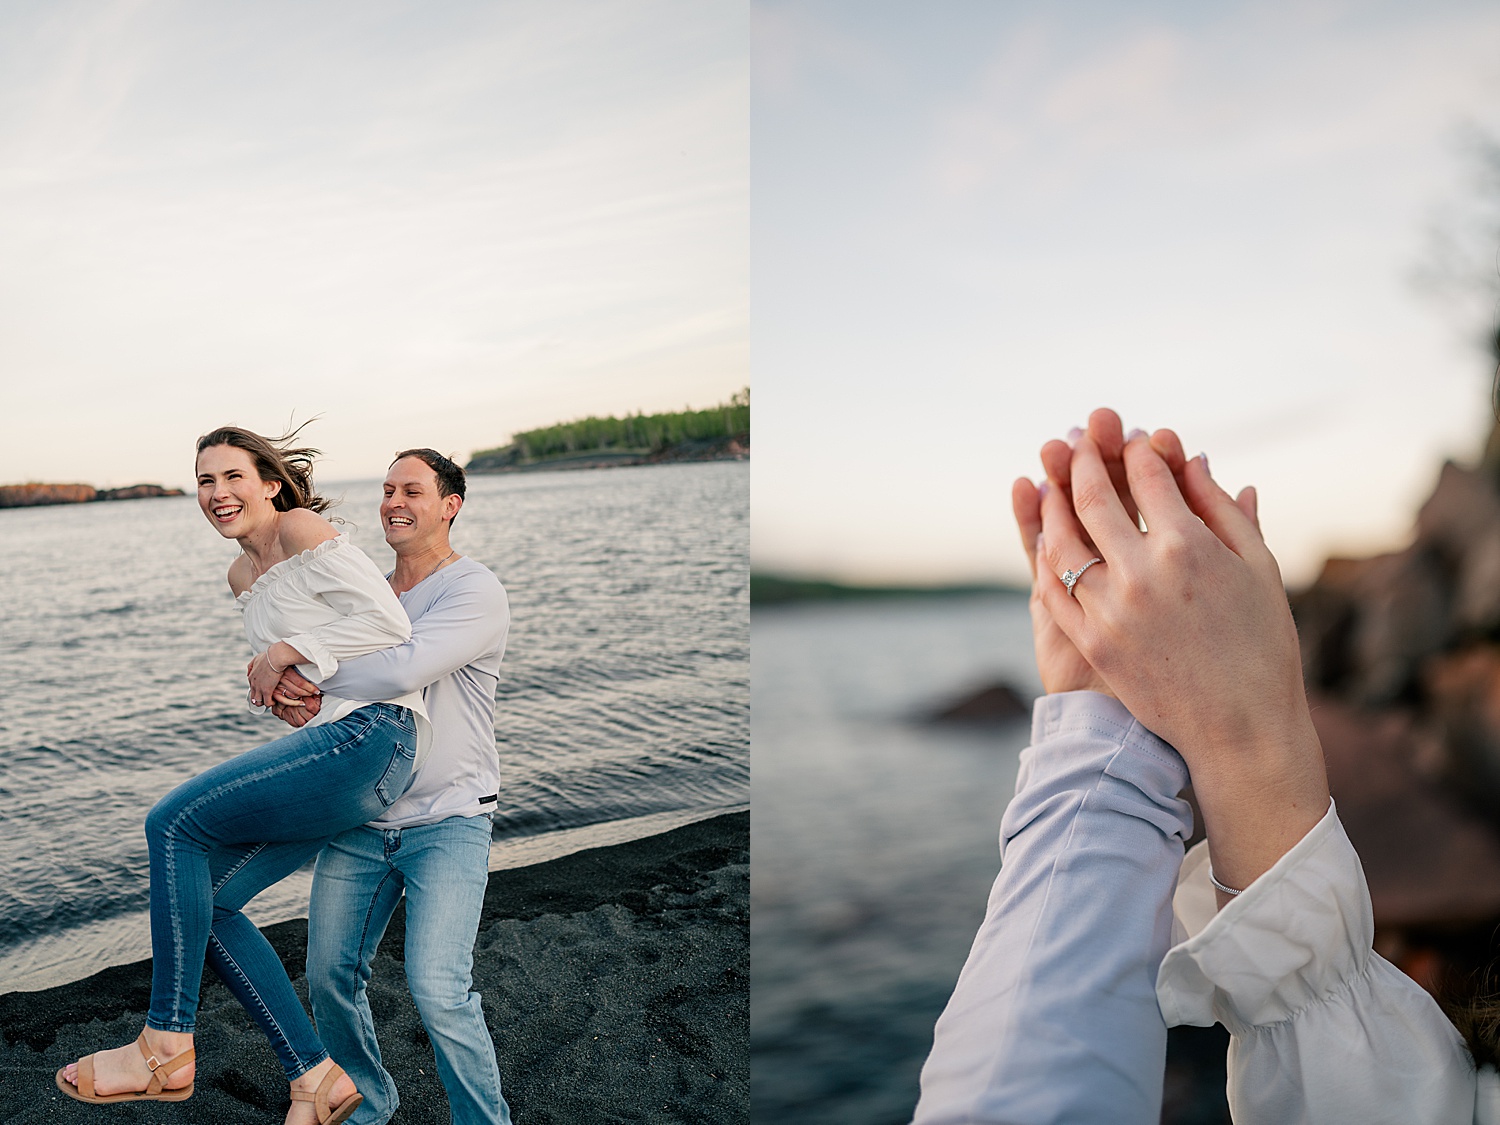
(972,222)
(431,223)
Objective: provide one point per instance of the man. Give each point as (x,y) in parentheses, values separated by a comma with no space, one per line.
(434,841)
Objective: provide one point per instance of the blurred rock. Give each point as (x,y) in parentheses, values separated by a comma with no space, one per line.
(995,703)
(29,495)
(1367,624)
(1402,657)
(1429,859)
(1463,700)
(1460,526)
(137,492)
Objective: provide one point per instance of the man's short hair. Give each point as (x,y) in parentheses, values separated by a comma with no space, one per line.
(450,477)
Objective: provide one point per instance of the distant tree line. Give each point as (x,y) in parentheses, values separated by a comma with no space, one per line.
(634,433)
(780,589)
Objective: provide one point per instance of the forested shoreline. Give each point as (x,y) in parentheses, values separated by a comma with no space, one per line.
(718,432)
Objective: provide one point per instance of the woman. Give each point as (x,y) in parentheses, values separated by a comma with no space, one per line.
(310,598)
(1167,651)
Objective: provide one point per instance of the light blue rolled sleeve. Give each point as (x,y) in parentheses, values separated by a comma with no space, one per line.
(1054,1017)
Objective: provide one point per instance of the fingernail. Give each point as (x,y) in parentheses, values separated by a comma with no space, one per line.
(1204,458)
(1133,434)
(1074,434)
(1043,488)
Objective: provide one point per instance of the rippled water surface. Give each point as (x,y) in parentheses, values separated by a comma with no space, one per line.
(623,699)
(874,842)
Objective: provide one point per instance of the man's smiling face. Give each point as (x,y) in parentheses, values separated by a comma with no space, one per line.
(412,514)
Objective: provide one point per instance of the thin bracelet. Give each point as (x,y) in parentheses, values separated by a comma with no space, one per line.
(1219,885)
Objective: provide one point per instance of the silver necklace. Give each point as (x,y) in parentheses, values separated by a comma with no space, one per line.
(435,569)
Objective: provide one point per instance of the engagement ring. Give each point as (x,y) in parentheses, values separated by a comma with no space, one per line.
(1070,577)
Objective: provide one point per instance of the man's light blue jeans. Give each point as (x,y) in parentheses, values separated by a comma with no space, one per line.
(443,868)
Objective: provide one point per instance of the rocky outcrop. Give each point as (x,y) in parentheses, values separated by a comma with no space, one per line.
(1370,626)
(507,462)
(137,492)
(1402,657)
(1431,858)
(29,495)
(735,447)
(993,703)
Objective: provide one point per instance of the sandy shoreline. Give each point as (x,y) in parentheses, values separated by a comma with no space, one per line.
(615,984)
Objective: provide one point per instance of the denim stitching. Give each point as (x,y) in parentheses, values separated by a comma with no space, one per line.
(365,1016)
(235,870)
(364,932)
(170,863)
(261,1004)
(398,752)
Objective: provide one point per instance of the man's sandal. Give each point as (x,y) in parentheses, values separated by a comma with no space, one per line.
(319,1098)
(154,1091)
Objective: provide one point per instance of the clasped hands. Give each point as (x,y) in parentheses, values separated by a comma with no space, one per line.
(1186,623)
(292,697)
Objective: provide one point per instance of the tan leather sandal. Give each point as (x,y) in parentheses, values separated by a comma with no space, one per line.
(319,1098)
(154,1091)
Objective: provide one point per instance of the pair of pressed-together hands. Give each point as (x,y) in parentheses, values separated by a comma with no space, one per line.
(292,697)
(1186,623)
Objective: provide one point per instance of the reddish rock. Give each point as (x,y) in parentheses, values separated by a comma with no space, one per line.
(137,492)
(1460,524)
(1429,860)
(1366,625)
(1463,703)
(28,495)
(1417,632)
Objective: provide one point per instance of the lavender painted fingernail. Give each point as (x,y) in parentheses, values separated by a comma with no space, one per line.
(1133,434)
(1204,458)
(1074,434)
(1043,488)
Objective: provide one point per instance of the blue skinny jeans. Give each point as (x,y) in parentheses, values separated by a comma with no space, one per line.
(443,869)
(218,840)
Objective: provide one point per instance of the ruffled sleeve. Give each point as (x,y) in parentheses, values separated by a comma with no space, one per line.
(330,603)
(1324,1030)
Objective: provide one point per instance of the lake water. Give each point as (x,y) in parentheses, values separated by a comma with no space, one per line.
(623,705)
(874,841)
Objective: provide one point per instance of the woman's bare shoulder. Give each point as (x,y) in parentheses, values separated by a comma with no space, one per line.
(301,529)
(241,575)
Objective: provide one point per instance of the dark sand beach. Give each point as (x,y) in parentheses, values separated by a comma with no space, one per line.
(616,984)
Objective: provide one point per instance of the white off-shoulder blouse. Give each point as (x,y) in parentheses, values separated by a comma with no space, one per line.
(331,603)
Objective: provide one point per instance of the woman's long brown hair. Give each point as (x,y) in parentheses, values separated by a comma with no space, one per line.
(276,459)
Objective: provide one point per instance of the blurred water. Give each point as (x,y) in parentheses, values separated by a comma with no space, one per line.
(874,841)
(623,702)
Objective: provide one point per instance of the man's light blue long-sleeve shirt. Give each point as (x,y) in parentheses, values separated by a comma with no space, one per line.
(1055,1017)
(459,620)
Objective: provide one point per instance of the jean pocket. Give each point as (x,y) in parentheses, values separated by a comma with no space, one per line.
(397,774)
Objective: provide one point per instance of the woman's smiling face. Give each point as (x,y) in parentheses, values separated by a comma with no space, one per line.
(231,492)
